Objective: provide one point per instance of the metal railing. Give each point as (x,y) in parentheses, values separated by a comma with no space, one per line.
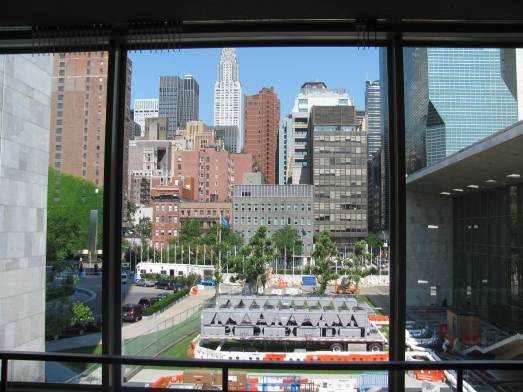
(225,365)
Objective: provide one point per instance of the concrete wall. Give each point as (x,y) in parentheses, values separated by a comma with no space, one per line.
(25,94)
(429,250)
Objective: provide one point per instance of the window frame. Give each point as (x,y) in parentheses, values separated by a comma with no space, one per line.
(394,36)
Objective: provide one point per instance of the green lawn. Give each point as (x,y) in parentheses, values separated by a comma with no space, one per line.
(364,299)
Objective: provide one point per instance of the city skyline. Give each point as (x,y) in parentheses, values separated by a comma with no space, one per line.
(281,68)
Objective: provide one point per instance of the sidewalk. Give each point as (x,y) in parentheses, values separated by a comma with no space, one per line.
(135,329)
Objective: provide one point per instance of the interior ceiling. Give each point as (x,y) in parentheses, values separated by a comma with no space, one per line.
(493,158)
(73,12)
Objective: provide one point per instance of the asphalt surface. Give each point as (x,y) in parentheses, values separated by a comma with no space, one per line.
(131,293)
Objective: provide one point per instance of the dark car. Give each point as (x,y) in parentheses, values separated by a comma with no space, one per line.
(132,312)
(165,284)
(145,302)
(153,300)
(177,287)
(82,327)
(161,296)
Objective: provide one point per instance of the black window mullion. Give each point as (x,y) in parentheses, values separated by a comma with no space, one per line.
(396,161)
(112,238)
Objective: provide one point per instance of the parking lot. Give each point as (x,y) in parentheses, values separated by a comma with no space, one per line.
(131,293)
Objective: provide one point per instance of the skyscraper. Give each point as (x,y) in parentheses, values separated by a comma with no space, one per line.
(453,98)
(284,148)
(311,94)
(144,108)
(179,101)
(373,114)
(262,115)
(228,93)
(339,173)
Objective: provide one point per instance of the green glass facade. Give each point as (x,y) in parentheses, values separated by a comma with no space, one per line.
(454,97)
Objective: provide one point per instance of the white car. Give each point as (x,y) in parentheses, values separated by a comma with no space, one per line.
(145,283)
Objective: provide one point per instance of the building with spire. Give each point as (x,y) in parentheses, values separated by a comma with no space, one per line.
(228,94)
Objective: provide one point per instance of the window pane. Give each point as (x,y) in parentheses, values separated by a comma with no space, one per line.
(464,201)
(52,209)
(248,208)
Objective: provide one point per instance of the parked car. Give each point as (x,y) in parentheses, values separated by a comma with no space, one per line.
(206,282)
(178,287)
(153,300)
(132,312)
(165,284)
(162,296)
(145,283)
(82,327)
(124,278)
(145,302)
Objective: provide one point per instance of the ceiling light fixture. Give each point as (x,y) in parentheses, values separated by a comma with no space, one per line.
(457,189)
(514,175)
(445,193)
(473,186)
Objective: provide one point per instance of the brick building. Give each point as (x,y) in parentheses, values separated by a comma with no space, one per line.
(261,124)
(207,213)
(215,171)
(165,203)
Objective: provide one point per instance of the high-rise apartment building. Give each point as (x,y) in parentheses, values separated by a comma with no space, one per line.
(228,94)
(78,104)
(454,97)
(261,123)
(373,116)
(311,94)
(144,108)
(339,173)
(284,149)
(179,101)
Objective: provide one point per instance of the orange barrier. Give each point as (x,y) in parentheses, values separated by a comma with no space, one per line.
(166,381)
(194,290)
(274,357)
(379,318)
(347,357)
(429,375)
(283,284)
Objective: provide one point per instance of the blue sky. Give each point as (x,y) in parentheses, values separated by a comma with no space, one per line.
(286,69)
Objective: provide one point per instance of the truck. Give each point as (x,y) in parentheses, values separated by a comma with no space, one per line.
(346,286)
(311,323)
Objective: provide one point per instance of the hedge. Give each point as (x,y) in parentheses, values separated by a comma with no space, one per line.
(156,307)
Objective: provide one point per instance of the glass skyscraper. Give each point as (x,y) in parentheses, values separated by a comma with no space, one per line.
(453,98)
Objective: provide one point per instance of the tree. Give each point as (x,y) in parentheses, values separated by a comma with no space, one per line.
(131,210)
(324,254)
(63,235)
(361,247)
(144,228)
(251,265)
(80,312)
(191,230)
(287,240)
(374,241)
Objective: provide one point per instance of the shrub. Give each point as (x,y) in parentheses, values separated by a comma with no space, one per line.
(165,302)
